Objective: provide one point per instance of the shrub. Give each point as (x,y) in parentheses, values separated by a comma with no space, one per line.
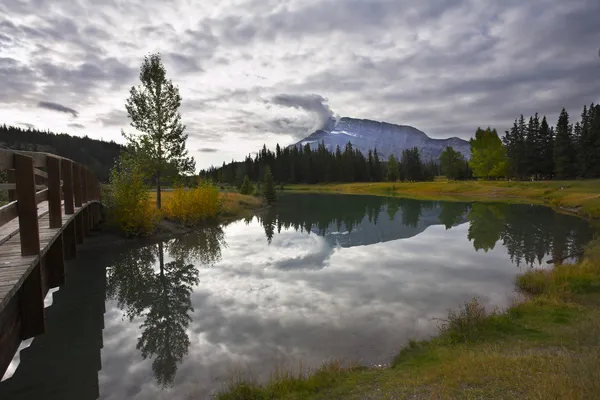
(191,206)
(126,199)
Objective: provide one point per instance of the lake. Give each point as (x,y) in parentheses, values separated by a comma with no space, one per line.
(318,277)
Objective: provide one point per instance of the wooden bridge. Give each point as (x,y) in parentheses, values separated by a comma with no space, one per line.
(54,202)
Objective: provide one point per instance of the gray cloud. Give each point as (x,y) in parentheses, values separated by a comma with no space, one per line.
(77,126)
(57,107)
(207,150)
(113,118)
(27,125)
(312,103)
(444,66)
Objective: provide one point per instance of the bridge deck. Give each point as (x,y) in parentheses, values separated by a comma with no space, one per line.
(15,268)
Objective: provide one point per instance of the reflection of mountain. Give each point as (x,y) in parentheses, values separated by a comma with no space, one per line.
(529,233)
(360,220)
(162,295)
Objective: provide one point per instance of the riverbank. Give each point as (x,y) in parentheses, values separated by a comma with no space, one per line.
(234,205)
(547,345)
(581,197)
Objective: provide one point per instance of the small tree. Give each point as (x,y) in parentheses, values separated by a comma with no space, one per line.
(154,111)
(392,172)
(247,187)
(129,209)
(269,187)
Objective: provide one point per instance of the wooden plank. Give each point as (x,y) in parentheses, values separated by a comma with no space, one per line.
(41,173)
(67,177)
(54,202)
(8,212)
(77,184)
(13,186)
(26,205)
(6,159)
(10,176)
(40,196)
(31,304)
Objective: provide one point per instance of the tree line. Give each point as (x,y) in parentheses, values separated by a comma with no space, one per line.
(97,155)
(302,164)
(531,149)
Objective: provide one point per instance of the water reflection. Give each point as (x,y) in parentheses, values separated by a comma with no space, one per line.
(528,232)
(317,277)
(145,286)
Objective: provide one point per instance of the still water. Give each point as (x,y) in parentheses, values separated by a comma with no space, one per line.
(318,277)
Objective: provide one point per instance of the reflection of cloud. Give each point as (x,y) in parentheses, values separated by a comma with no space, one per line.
(256,309)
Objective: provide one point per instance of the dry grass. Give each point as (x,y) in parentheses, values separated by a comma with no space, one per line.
(582,196)
(232,205)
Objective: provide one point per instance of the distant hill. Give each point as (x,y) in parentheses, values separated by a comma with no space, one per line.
(97,155)
(387,138)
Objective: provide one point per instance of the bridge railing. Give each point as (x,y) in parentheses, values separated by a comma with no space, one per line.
(35,177)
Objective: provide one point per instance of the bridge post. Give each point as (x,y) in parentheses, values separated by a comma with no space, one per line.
(31,298)
(26,205)
(69,245)
(84,200)
(54,203)
(77,195)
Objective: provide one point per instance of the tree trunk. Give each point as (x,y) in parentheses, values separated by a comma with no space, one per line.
(158,204)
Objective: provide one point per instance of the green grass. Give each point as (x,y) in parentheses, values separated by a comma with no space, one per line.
(582,197)
(546,346)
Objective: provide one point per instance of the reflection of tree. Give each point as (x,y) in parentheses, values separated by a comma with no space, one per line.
(487,222)
(163,330)
(452,213)
(144,285)
(529,233)
(411,212)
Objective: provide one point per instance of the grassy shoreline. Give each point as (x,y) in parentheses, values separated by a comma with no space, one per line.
(581,197)
(235,205)
(547,346)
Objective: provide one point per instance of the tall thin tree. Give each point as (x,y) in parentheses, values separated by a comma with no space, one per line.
(153,108)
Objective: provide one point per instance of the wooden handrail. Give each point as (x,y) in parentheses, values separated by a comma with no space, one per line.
(61,180)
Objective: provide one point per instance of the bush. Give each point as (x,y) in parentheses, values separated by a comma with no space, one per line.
(191,206)
(126,199)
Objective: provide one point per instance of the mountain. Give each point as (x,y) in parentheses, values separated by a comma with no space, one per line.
(387,138)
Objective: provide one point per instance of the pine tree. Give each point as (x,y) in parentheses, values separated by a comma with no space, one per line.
(153,108)
(246,186)
(563,148)
(547,150)
(269,187)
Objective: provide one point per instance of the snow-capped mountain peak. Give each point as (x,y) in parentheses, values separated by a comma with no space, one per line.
(387,138)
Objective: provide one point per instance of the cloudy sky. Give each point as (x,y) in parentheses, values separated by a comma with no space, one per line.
(268,71)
